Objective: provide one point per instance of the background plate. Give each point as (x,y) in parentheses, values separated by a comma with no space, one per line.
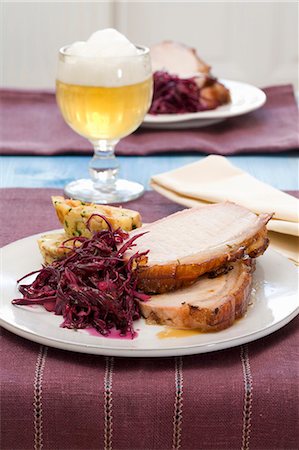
(244,98)
(275,303)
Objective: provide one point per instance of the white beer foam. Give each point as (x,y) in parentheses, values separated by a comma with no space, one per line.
(107,58)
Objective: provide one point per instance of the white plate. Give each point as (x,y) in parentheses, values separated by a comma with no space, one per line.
(244,98)
(275,303)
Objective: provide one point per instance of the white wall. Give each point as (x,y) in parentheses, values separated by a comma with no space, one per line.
(33,32)
(255,42)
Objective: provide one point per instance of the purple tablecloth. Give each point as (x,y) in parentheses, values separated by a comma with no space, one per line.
(241,398)
(31,124)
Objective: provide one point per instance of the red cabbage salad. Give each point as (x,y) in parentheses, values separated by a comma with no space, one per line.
(174,95)
(94,286)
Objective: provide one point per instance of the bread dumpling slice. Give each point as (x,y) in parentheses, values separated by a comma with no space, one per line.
(50,246)
(74,214)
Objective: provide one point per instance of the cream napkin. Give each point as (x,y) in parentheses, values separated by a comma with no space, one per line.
(215,179)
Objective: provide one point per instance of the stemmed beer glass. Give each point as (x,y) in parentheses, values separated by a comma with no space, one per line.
(104,99)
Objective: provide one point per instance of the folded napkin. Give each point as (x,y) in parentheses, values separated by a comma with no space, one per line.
(215,179)
(38,129)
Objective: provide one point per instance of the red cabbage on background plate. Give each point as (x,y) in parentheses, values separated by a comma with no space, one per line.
(175,95)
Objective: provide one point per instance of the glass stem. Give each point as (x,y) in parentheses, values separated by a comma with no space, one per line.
(103,167)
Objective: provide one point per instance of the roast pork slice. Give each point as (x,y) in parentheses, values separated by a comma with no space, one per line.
(208,305)
(192,242)
(177,59)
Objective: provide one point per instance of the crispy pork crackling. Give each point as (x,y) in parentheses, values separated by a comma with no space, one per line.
(195,241)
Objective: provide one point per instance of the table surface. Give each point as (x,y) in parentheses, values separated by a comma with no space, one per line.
(280,171)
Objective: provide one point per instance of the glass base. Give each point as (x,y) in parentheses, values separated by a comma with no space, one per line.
(84,190)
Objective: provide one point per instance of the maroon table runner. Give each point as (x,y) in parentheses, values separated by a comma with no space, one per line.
(240,398)
(31,124)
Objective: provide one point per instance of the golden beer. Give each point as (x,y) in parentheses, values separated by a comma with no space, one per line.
(103,90)
(104,112)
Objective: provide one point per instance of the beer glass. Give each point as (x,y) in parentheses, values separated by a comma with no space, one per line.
(104,99)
